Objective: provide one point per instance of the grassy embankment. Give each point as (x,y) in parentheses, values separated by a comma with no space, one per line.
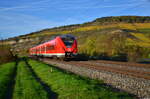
(26,86)
(65,84)
(70,86)
(6,72)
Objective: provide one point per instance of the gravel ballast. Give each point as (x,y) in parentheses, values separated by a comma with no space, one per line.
(137,86)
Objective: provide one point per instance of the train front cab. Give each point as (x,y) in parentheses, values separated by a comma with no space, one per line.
(69,46)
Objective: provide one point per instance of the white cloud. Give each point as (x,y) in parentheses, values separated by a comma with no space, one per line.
(18,24)
(78,4)
(28,6)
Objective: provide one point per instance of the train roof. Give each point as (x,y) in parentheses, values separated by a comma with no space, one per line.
(52,39)
(67,35)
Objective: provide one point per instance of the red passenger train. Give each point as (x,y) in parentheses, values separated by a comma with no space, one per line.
(64,46)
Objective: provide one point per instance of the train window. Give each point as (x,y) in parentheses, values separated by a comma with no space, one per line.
(38,49)
(50,47)
(68,41)
(43,49)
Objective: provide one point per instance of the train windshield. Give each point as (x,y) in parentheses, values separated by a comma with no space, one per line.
(68,40)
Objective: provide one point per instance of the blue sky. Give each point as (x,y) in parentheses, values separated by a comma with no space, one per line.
(18,17)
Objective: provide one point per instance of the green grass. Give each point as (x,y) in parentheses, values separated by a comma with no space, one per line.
(6,72)
(26,86)
(70,86)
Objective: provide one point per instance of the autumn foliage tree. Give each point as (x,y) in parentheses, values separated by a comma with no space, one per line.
(5,54)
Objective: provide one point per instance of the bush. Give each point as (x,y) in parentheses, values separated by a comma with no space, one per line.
(5,54)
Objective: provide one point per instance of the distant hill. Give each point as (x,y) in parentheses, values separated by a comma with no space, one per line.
(117,38)
(127,19)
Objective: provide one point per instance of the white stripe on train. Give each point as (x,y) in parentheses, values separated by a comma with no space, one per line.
(54,54)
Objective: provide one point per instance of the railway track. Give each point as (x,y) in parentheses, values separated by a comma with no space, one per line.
(134,70)
(147,66)
(124,71)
